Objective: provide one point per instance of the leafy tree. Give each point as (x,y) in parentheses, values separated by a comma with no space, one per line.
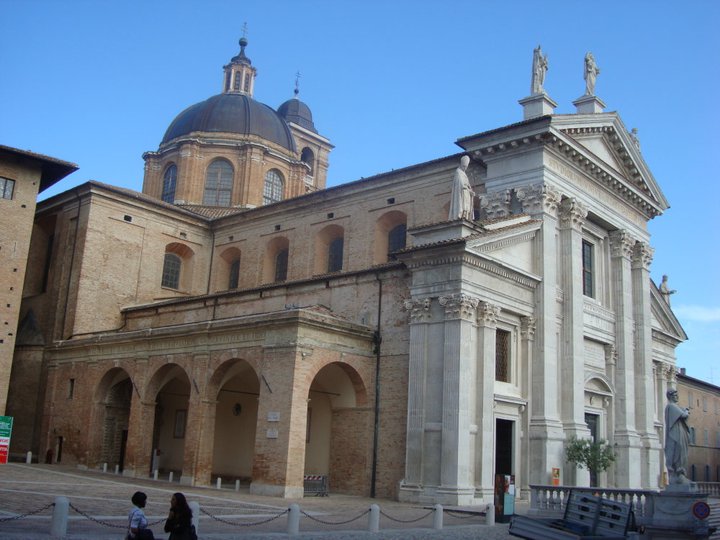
(595,456)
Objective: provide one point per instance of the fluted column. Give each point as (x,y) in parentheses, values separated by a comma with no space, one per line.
(626,438)
(644,385)
(420,315)
(546,435)
(459,361)
(527,334)
(484,454)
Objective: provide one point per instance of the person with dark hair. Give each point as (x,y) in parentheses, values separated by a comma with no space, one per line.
(179,521)
(137,522)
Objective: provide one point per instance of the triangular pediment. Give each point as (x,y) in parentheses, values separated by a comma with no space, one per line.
(508,241)
(604,147)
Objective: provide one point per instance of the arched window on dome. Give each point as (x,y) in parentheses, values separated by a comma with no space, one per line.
(273,189)
(218,184)
(169,183)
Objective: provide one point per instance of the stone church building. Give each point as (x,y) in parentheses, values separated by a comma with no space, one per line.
(238,319)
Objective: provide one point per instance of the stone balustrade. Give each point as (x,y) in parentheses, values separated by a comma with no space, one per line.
(549,500)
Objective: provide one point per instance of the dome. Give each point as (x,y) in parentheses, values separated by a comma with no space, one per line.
(232,113)
(295,111)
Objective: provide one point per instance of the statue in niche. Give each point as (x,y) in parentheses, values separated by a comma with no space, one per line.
(665,290)
(677,439)
(462,196)
(591,72)
(539,68)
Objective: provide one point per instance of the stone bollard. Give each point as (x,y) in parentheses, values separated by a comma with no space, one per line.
(438,517)
(170,476)
(59,522)
(293,522)
(117,469)
(105,467)
(237,485)
(374,519)
(155,474)
(490,514)
(195,507)
(218,484)
(28,457)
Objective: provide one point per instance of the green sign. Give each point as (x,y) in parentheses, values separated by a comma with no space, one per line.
(6,423)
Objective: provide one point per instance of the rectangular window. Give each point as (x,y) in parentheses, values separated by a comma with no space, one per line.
(691,401)
(706,437)
(7,187)
(502,355)
(704,402)
(71,388)
(588,267)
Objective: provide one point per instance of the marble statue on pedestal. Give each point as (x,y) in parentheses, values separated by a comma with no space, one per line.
(665,290)
(462,196)
(591,73)
(539,68)
(677,439)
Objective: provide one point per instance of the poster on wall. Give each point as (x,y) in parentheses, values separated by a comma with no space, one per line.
(6,423)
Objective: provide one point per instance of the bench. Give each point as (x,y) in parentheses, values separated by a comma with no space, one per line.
(316,484)
(586,517)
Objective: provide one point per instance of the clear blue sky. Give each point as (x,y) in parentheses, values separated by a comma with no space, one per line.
(390,83)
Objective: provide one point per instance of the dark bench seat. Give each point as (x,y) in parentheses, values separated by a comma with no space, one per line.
(586,516)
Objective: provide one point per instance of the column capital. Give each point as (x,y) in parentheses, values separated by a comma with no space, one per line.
(488,313)
(459,306)
(497,204)
(621,244)
(539,198)
(642,255)
(418,309)
(527,327)
(572,214)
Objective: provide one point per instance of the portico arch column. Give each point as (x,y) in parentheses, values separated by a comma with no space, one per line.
(644,384)
(626,437)
(140,432)
(420,316)
(456,483)
(198,457)
(572,355)
(484,452)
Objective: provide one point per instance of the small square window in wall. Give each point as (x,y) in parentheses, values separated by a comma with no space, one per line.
(7,188)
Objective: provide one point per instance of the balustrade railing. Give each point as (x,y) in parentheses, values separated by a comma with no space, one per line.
(549,500)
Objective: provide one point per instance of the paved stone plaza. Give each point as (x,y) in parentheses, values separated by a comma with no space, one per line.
(104,499)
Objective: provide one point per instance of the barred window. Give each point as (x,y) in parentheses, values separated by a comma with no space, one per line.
(273,189)
(171,271)
(335,255)
(588,268)
(396,237)
(234,278)
(281,265)
(502,355)
(169,183)
(218,184)
(7,187)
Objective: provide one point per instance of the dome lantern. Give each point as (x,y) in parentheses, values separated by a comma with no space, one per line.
(240,73)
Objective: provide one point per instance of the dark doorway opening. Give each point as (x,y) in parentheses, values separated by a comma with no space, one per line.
(504,446)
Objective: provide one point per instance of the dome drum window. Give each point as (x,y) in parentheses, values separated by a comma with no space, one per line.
(273,189)
(218,184)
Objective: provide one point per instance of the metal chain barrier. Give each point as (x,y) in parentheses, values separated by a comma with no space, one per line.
(365,513)
(409,520)
(461,515)
(26,514)
(99,521)
(250,524)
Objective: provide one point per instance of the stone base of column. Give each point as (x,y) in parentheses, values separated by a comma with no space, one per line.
(412,493)
(455,495)
(627,461)
(287,492)
(187,480)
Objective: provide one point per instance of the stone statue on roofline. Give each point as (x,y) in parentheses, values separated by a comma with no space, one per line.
(665,290)
(462,195)
(591,72)
(539,68)
(677,439)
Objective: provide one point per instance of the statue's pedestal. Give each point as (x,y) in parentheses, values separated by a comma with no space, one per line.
(537,105)
(589,105)
(676,514)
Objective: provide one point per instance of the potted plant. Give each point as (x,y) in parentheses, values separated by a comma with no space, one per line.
(595,456)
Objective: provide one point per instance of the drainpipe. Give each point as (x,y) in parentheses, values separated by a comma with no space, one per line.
(377,340)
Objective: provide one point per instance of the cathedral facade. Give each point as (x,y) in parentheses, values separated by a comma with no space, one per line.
(239,320)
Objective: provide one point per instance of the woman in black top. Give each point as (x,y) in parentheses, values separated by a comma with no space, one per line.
(179,521)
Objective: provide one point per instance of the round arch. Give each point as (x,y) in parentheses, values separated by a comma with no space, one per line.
(110,418)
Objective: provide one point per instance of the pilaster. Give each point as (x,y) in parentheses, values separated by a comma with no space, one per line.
(419,315)
(626,438)
(527,336)
(456,484)
(572,217)
(484,452)
(644,384)
(545,430)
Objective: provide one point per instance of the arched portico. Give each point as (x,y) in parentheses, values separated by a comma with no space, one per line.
(110,419)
